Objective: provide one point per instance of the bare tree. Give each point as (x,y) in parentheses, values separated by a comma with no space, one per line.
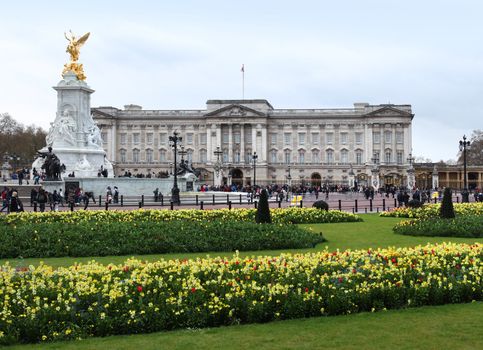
(20,141)
(474,155)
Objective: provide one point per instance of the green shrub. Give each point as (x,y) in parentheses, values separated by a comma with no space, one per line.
(263,210)
(447,210)
(321,205)
(461,226)
(432,210)
(121,238)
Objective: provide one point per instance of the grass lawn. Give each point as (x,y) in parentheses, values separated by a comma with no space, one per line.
(430,327)
(374,232)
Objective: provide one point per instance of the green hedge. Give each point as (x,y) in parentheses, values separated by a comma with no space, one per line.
(120,238)
(279,216)
(461,226)
(432,210)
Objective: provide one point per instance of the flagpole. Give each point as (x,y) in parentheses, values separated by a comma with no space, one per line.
(243,81)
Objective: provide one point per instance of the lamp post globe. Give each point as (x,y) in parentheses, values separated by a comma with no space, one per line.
(464,146)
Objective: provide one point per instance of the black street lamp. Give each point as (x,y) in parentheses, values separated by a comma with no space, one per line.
(15,158)
(254,157)
(175,140)
(289,177)
(465,196)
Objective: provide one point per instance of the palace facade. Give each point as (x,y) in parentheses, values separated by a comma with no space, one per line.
(363,144)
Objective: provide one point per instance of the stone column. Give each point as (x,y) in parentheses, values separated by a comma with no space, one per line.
(230,143)
(435,178)
(113,153)
(254,139)
(242,143)
(264,144)
(218,137)
(209,150)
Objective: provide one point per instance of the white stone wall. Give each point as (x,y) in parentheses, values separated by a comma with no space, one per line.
(256,122)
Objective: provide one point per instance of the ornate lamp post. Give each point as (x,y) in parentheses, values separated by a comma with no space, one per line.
(411,178)
(464,145)
(15,158)
(217,166)
(254,157)
(289,178)
(375,172)
(175,140)
(5,166)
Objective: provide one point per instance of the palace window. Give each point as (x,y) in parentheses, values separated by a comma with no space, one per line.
(149,138)
(399,137)
(315,157)
(287,137)
(163,138)
(149,155)
(273,155)
(399,158)
(189,139)
(344,156)
(388,156)
(315,138)
(123,155)
(237,157)
(135,138)
(359,157)
(330,156)
(388,136)
(123,138)
(203,139)
(343,138)
(135,155)
(162,155)
(358,138)
(273,139)
(288,156)
(376,158)
(301,157)
(376,137)
(329,137)
(203,155)
(301,138)
(237,138)
(189,156)
(248,156)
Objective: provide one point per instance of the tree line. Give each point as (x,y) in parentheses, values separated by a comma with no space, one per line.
(18,142)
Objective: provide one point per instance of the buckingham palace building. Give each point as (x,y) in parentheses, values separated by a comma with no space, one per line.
(237,140)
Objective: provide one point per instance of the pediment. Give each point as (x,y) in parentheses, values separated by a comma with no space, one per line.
(388,111)
(235,111)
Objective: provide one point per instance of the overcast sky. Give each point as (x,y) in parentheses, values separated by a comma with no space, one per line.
(297,54)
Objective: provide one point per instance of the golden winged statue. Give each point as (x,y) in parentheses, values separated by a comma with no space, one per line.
(73,49)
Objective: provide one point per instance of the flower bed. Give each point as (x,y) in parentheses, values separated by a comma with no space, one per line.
(90,238)
(432,210)
(461,226)
(279,216)
(43,304)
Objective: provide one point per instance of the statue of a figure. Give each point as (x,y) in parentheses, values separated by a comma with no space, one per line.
(74,45)
(94,137)
(185,167)
(52,165)
(73,49)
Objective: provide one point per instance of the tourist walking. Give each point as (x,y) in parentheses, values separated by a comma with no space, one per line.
(42,199)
